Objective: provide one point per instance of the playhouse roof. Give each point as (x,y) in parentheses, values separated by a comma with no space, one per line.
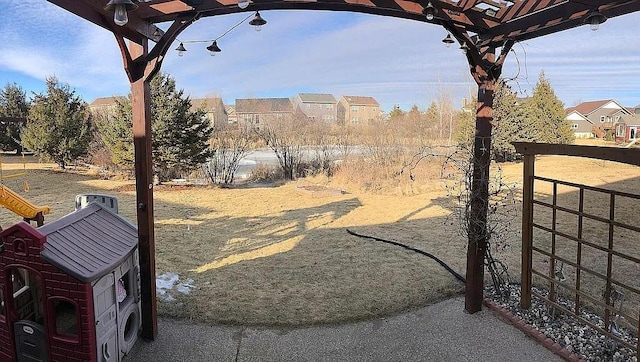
(89,242)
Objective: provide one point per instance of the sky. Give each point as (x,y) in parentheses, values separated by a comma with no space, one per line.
(396,61)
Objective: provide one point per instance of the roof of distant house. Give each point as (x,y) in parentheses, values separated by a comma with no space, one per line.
(360,101)
(208,104)
(106,101)
(317,98)
(631,119)
(585,108)
(263,105)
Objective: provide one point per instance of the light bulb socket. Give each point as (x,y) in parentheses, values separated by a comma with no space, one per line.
(214,48)
(181,49)
(430,11)
(448,40)
(120,9)
(594,18)
(128,4)
(257,21)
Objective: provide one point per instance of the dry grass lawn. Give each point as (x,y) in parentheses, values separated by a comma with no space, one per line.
(282,256)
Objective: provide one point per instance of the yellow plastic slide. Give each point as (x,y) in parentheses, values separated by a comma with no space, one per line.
(19,205)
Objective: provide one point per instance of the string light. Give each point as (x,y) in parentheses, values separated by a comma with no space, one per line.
(257,22)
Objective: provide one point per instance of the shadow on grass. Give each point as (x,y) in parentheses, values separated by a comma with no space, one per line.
(256,257)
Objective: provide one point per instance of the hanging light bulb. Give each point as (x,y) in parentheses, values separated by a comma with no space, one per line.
(120,16)
(257,22)
(120,10)
(213,48)
(594,18)
(464,47)
(429,11)
(181,49)
(448,40)
(242,4)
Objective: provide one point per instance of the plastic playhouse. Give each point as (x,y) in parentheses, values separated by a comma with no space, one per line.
(70,289)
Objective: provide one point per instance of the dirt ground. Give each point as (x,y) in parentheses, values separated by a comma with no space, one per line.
(282,255)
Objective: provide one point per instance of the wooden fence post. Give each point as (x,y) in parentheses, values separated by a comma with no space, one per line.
(527,229)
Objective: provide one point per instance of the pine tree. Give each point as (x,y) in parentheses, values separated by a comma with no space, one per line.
(396,114)
(59,124)
(548,114)
(180,136)
(466,127)
(510,119)
(116,132)
(14,104)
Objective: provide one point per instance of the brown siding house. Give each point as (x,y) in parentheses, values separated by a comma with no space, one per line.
(254,112)
(214,111)
(105,105)
(602,116)
(317,107)
(358,110)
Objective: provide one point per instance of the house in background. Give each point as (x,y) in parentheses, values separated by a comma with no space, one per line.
(214,109)
(232,116)
(596,118)
(626,130)
(317,107)
(357,110)
(254,112)
(105,105)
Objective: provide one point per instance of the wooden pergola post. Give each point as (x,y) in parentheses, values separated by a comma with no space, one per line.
(477,224)
(141,108)
(141,65)
(486,70)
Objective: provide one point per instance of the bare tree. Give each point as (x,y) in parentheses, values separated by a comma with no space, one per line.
(228,149)
(345,139)
(323,155)
(286,137)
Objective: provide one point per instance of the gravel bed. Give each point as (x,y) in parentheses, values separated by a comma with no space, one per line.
(582,340)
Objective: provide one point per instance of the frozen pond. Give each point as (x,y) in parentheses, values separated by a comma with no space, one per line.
(268,157)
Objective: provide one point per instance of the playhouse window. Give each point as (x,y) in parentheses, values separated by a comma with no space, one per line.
(19,281)
(65,319)
(26,293)
(1,305)
(124,290)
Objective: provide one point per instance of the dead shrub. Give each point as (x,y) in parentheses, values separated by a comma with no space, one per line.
(265,173)
(389,177)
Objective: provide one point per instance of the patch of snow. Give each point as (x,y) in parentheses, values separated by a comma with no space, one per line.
(245,162)
(167,284)
(185,287)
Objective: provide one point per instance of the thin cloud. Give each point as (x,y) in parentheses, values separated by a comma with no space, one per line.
(394,60)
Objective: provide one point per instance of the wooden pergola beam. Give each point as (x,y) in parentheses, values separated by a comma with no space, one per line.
(520,21)
(136,30)
(630,156)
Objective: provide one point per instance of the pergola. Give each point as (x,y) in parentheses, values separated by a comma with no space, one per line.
(486,29)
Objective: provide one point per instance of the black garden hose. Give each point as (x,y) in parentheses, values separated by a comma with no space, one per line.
(444,265)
